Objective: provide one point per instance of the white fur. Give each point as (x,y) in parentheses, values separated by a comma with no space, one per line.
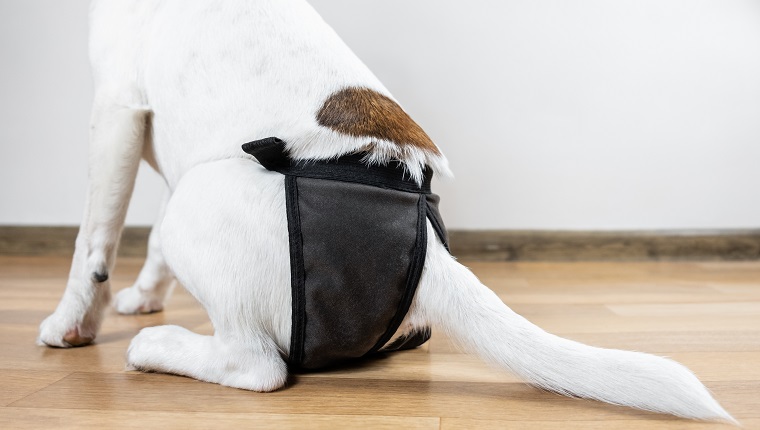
(183,83)
(155,281)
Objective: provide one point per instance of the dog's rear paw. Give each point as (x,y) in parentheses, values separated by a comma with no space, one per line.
(173,349)
(154,345)
(133,300)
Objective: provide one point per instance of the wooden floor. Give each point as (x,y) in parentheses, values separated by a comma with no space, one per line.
(705,315)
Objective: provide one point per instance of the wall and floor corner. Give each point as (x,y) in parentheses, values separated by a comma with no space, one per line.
(581,116)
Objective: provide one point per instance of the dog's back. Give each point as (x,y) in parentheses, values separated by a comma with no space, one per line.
(216,74)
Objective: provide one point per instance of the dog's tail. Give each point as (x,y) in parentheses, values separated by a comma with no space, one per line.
(453,300)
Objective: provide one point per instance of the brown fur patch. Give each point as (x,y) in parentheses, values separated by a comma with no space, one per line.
(363,112)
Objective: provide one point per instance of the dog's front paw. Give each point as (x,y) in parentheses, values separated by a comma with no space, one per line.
(64,332)
(133,300)
(76,320)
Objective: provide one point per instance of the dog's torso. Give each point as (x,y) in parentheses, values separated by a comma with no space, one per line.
(217,74)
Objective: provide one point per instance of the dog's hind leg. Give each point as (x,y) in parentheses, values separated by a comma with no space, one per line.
(116,142)
(155,281)
(224,235)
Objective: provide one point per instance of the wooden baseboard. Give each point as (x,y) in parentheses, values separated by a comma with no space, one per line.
(501,245)
(606,246)
(52,241)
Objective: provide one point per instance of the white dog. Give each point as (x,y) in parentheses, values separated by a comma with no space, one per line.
(182,84)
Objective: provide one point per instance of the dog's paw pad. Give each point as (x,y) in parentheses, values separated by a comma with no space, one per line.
(74,338)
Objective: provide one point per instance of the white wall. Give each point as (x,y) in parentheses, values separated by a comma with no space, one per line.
(45,97)
(640,114)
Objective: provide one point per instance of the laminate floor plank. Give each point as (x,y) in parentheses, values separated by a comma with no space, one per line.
(76,419)
(18,384)
(652,424)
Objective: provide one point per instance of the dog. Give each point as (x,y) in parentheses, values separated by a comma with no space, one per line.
(182,85)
